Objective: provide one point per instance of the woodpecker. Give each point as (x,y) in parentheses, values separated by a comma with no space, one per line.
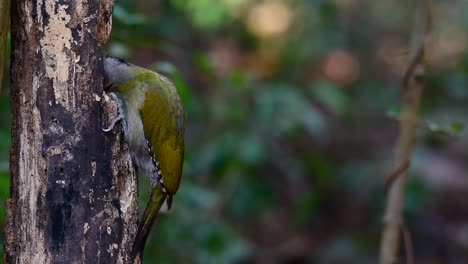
(152,117)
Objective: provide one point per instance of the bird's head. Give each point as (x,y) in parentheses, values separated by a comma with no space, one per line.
(116,72)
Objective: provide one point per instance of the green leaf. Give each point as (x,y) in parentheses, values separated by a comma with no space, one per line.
(457,127)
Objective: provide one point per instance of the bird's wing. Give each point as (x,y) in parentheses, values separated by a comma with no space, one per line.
(163,124)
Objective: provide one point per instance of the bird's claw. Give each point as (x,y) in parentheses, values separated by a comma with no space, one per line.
(117,119)
(119,109)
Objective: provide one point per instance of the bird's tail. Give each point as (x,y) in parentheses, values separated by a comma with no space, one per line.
(152,209)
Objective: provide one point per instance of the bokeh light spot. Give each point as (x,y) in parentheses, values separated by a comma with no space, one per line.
(341,66)
(269,18)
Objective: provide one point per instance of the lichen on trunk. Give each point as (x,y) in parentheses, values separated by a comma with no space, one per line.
(73,187)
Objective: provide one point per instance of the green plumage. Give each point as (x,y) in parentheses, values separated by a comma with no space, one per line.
(168,139)
(154,131)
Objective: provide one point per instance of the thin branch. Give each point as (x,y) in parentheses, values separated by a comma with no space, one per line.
(408,242)
(412,88)
(395,174)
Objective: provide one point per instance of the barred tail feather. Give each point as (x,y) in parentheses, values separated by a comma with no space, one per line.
(158,196)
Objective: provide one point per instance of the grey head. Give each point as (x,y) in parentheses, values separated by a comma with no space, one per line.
(116,71)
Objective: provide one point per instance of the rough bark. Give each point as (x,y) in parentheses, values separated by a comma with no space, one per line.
(73,187)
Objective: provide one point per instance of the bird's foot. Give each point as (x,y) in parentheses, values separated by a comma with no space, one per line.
(119,109)
(117,119)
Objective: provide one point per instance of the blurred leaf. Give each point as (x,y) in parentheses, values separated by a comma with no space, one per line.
(332,96)
(165,67)
(199,198)
(457,127)
(250,197)
(220,245)
(4,186)
(451,129)
(288,109)
(119,50)
(251,150)
(203,63)
(321,170)
(210,13)
(394,112)
(435,127)
(416,196)
(305,208)
(238,78)
(456,86)
(217,157)
(132,19)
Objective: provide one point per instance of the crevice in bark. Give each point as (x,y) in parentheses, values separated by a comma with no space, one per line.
(74,190)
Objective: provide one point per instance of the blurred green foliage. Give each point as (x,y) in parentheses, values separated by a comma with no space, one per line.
(5,138)
(291,109)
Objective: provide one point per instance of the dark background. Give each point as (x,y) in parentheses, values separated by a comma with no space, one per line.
(290,127)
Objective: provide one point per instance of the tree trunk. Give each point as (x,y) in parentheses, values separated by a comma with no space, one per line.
(73,187)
